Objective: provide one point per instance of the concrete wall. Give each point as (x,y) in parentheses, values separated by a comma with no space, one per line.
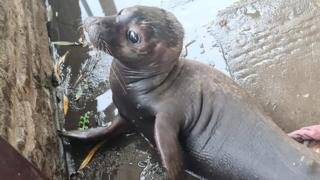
(26,110)
(272,48)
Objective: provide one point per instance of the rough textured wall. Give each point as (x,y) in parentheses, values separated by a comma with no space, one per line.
(272,48)
(26,111)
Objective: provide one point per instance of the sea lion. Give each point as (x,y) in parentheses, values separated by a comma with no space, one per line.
(198,118)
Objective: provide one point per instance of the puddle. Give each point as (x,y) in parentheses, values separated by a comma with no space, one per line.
(130,157)
(104,100)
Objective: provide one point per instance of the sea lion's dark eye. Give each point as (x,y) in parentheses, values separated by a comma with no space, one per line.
(133,36)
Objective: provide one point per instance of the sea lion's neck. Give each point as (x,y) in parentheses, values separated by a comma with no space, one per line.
(144,78)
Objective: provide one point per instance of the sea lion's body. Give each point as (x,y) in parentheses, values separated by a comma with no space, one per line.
(224,135)
(197,117)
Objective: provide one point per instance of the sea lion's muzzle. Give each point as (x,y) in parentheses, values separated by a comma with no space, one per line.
(101,31)
(89,21)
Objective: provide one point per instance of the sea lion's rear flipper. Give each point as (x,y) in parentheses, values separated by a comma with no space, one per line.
(118,127)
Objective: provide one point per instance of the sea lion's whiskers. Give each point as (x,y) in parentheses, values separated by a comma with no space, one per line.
(99,46)
(103,45)
(121,78)
(107,48)
(106,45)
(120,82)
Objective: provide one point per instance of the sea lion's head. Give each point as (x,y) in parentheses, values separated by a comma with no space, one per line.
(138,35)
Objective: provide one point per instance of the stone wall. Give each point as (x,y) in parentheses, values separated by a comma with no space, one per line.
(26,109)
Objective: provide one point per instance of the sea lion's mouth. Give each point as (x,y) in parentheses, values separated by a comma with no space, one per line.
(98,44)
(86,38)
(86,41)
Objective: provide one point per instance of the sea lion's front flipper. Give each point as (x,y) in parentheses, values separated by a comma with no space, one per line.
(118,126)
(166,137)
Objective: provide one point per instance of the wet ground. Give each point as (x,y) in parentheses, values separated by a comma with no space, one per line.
(85,81)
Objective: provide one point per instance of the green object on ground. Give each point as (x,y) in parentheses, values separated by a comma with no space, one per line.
(84,121)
